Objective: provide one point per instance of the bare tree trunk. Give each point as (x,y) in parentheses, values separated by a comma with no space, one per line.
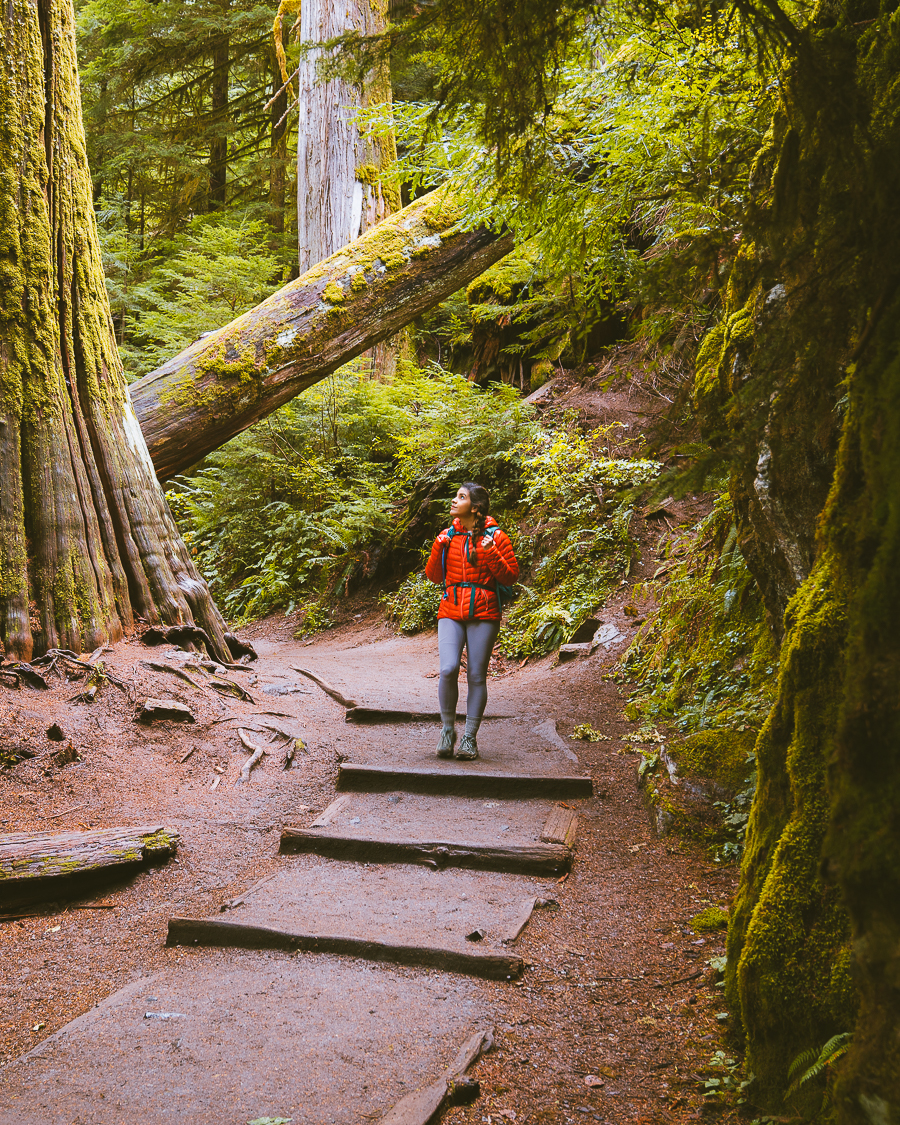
(339,190)
(366,292)
(277,154)
(86,538)
(218,149)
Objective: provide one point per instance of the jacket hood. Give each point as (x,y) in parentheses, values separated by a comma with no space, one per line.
(458,527)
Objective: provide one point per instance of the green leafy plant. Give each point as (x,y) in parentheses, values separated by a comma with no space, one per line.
(705,658)
(576,513)
(586,733)
(353,473)
(729,1081)
(216,269)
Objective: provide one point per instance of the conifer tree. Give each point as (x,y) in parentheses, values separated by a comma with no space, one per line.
(87,543)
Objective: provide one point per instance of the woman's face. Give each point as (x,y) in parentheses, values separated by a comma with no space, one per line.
(461,505)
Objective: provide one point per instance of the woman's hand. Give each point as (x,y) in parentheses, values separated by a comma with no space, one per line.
(487,541)
(443,539)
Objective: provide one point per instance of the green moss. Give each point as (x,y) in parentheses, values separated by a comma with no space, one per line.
(334,293)
(500,283)
(709,920)
(789,933)
(442,211)
(216,383)
(720,755)
(367,174)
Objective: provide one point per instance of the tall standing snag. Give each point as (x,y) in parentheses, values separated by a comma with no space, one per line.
(86,538)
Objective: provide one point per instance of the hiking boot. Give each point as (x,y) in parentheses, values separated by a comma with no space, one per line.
(468,748)
(447,742)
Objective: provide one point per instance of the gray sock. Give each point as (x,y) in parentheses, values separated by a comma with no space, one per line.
(472,726)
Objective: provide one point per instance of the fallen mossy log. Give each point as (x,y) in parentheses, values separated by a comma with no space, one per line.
(364,293)
(41,865)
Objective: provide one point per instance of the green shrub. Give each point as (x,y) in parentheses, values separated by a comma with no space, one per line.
(414,606)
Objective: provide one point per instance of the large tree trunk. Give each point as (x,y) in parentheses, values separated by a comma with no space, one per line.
(230,379)
(339,190)
(86,538)
(808,353)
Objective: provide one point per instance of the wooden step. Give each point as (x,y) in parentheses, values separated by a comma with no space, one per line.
(460,781)
(218,932)
(561,826)
(523,859)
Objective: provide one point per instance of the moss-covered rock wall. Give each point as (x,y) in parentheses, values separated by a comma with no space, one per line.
(804,374)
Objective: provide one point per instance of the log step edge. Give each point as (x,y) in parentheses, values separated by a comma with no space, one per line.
(527,859)
(214,932)
(462,782)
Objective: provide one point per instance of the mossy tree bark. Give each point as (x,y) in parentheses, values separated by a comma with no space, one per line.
(222,384)
(86,538)
(809,356)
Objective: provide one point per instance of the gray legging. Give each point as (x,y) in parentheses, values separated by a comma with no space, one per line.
(479,638)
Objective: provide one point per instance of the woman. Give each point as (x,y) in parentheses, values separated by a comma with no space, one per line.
(471,559)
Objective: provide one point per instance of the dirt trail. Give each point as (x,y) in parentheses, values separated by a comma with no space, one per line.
(614,984)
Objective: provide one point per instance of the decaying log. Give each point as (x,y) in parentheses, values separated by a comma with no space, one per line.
(364,293)
(35,865)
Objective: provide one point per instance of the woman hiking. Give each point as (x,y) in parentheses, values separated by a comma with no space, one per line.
(471,559)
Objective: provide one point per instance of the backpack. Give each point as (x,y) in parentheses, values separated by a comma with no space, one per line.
(505,594)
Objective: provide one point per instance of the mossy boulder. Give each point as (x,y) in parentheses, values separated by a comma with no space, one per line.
(717,755)
(684,784)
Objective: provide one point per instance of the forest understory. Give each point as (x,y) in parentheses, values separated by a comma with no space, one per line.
(620,1013)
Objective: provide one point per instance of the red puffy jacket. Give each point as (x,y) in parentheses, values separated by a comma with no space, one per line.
(471,586)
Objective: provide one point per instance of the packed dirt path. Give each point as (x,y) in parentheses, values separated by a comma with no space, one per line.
(611,1015)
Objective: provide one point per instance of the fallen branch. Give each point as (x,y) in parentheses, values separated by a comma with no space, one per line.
(257,753)
(681,980)
(326,687)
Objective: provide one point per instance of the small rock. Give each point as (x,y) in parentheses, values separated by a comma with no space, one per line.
(164,709)
(55,733)
(463,1090)
(569,652)
(475,935)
